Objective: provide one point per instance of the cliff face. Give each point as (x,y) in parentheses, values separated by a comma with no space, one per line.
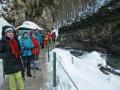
(17,11)
(100,32)
(46,13)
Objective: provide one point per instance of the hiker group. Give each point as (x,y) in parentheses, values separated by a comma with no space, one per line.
(20,56)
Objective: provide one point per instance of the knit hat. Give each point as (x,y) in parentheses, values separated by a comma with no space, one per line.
(31,32)
(7,28)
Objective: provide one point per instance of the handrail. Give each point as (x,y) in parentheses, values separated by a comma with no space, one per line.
(66,73)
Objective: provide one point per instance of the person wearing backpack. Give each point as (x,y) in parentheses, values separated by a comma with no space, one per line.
(35,50)
(27,46)
(10,52)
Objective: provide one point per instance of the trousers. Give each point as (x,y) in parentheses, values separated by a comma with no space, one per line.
(12,81)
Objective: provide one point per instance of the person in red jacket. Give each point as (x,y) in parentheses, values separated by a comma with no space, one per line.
(49,37)
(35,50)
(53,36)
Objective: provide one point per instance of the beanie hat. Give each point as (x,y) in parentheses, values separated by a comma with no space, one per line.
(7,28)
(31,32)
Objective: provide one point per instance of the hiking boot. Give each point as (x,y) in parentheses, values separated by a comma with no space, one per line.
(24,79)
(36,68)
(29,75)
(32,68)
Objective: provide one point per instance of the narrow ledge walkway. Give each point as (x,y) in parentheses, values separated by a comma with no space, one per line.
(41,76)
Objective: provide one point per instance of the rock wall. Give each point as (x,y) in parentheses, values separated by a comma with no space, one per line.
(100,32)
(45,13)
(17,11)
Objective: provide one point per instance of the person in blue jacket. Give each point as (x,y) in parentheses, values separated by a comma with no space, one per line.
(27,46)
(39,37)
(42,44)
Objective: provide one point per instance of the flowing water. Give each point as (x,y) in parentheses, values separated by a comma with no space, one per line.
(113,61)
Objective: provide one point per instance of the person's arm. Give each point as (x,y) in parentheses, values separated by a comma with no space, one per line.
(38,44)
(40,37)
(2,54)
(21,43)
(32,45)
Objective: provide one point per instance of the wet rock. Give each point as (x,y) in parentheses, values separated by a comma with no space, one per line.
(100,32)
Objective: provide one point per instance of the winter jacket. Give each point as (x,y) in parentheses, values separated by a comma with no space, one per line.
(46,37)
(38,36)
(49,35)
(36,45)
(43,37)
(53,35)
(10,63)
(26,42)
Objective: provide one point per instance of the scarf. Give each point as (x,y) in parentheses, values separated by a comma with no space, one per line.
(14,47)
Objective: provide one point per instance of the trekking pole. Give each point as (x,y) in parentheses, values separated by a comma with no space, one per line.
(33,67)
(26,65)
(22,64)
(36,57)
(39,51)
(33,56)
(3,62)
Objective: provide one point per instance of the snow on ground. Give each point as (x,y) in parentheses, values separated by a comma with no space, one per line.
(83,71)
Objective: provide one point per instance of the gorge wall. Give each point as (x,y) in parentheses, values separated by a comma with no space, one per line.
(46,13)
(100,32)
(18,11)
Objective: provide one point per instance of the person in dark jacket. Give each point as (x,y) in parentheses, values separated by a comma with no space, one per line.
(42,44)
(10,54)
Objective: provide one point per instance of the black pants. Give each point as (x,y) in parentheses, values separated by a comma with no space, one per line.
(26,61)
(42,44)
(35,56)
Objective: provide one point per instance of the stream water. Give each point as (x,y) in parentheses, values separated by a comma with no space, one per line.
(113,61)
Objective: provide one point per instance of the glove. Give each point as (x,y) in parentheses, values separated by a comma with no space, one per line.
(32,48)
(25,48)
(21,52)
(35,46)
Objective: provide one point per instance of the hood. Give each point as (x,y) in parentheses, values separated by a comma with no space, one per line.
(22,32)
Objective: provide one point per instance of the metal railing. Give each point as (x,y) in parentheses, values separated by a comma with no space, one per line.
(55,59)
